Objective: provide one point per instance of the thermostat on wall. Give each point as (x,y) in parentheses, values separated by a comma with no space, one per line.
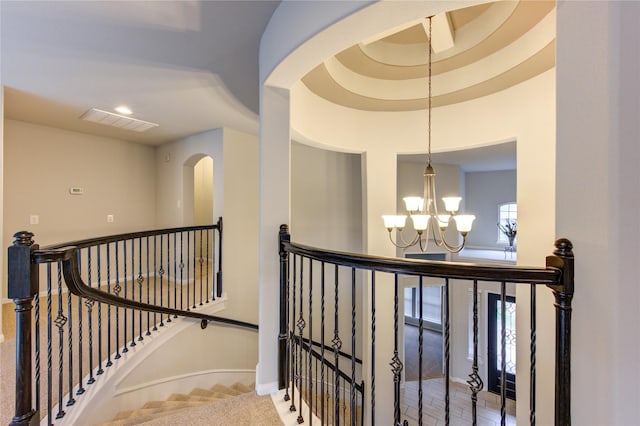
(75,190)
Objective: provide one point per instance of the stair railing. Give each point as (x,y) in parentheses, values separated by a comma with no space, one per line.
(91,301)
(342,299)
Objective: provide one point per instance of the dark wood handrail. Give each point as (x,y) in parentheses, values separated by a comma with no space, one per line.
(69,258)
(91,242)
(437,269)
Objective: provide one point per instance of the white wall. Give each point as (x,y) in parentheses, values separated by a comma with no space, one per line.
(42,163)
(1,196)
(598,63)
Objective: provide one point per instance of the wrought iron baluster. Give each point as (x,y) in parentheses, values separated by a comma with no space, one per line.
(352,406)
(148,290)
(116,291)
(161,273)
(175,273)
(99,257)
(420,350)
(60,321)
(322,346)
(201,260)
(310,334)
(155,280)
(447,355)
(109,362)
(124,329)
(181,271)
(532,354)
(89,304)
(168,273)
(36,339)
(301,325)
(503,354)
(475,382)
(290,332)
(70,326)
(194,270)
(188,253)
(207,258)
(49,346)
(81,389)
(337,345)
(140,283)
(373,347)
(396,363)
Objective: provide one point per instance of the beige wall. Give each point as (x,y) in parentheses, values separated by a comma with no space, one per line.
(203,192)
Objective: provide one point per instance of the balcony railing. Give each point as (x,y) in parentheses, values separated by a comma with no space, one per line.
(339,301)
(81,305)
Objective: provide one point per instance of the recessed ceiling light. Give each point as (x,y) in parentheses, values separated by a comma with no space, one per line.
(122,109)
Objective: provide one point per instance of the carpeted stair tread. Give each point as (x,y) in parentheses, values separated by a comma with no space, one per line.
(226,390)
(175,402)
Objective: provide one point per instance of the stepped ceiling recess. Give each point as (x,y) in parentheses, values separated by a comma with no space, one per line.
(477,51)
(192,66)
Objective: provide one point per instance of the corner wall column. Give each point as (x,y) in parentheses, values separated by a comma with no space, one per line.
(274,210)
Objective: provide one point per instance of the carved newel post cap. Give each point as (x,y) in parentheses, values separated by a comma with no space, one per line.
(23,238)
(564,248)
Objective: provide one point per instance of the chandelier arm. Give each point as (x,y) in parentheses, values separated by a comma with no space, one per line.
(403,244)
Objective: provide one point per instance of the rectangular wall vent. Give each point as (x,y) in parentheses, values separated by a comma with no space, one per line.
(116,120)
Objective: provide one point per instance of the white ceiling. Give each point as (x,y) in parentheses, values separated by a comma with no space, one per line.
(190,66)
(501,156)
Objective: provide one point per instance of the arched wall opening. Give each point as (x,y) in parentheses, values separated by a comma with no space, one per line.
(197,193)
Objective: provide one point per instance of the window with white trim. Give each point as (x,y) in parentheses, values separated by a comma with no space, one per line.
(506,212)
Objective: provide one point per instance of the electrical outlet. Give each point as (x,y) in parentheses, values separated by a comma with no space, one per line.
(109,218)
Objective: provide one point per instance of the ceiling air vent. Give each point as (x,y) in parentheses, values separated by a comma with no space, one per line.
(116,120)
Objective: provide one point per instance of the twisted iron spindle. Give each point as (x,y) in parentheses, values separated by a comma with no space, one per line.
(337,345)
(161,274)
(353,347)
(49,346)
(207,257)
(99,256)
(155,281)
(532,354)
(503,354)
(140,283)
(322,346)
(187,266)
(36,338)
(124,257)
(168,278)
(194,270)
(201,260)
(116,291)
(81,389)
(89,304)
(475,382)
(396,363)
(181,271)
(310,334)
(109,362)
(290,331)
(447,355)
(60,321)
(420,350)
(175,273)
(301,324)
(148,290)
(70,325)
(373,347)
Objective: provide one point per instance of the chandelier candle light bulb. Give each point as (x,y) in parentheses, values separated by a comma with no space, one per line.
(423,210)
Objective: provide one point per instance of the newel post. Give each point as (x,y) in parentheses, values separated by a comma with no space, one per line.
(563,292)
(23,286)
(219,273)
(284,237)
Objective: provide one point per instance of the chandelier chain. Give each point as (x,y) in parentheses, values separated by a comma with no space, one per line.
(429,95)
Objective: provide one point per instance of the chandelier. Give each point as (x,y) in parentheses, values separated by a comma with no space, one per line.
(424,210)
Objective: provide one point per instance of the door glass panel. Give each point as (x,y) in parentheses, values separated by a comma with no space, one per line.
(510,336)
